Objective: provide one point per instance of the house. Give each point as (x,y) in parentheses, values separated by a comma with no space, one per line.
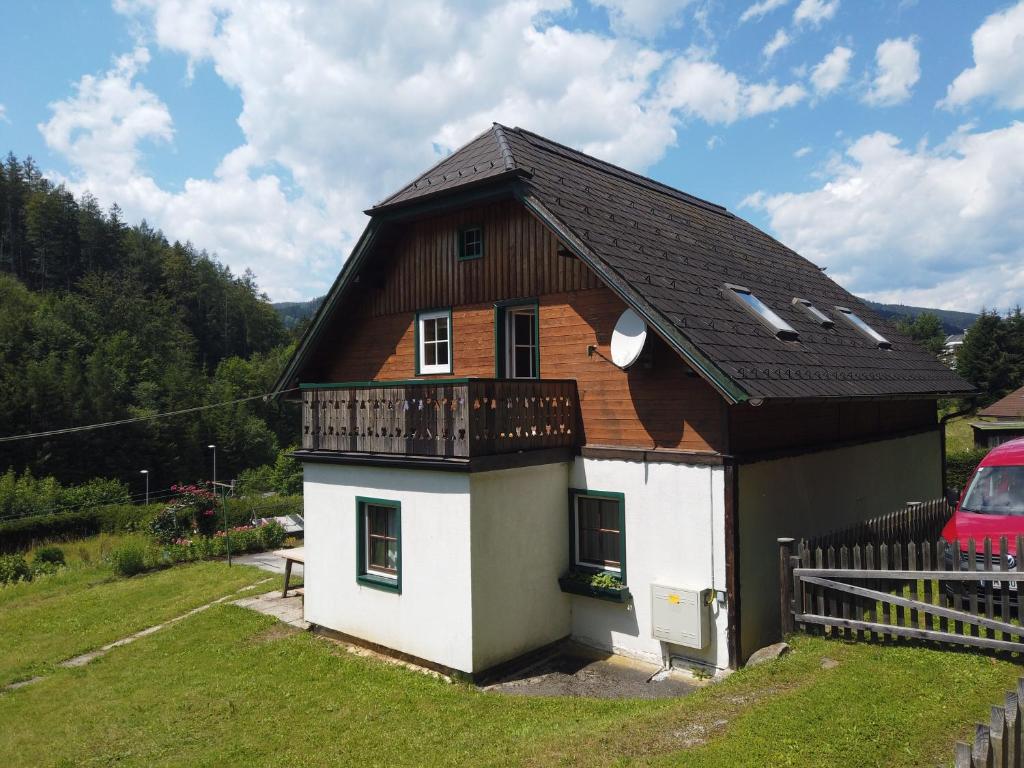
(1001,422)
(473,454)
(951,347)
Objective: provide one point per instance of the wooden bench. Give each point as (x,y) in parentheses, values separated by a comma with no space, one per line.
(291,556)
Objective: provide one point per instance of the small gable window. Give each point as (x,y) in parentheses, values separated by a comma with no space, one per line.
(880,341)
(816,314)
(759,309)
(434,342)
(471,243)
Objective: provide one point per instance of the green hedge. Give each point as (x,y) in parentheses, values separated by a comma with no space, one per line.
(22,533)
(960,465)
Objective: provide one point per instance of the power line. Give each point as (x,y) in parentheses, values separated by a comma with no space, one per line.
(151,417)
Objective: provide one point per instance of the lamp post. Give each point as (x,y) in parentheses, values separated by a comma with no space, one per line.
(146,473)
(224,504)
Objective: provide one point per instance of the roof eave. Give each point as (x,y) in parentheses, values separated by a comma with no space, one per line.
(315,327)
(429,197)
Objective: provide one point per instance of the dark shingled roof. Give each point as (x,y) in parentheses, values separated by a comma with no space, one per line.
(677,251)
(1010,407)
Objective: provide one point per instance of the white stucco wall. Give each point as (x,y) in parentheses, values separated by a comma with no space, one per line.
(674,537)
(520,546)
(432,618)
(815,493)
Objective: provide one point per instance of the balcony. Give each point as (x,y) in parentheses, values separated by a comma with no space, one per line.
(449,419)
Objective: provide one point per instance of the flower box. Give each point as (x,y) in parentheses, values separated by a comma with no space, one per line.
(574,586)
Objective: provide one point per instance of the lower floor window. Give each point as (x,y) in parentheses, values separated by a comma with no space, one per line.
(379,541)
(598,531)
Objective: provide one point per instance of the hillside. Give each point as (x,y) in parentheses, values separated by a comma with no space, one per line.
(102,321)
(952,321)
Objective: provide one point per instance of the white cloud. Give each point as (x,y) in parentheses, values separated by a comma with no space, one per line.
(897,69)
(998,70)
(761,9)
(705,90)
(815,12)
(802,152)
(714,142)
(3,115)
(779,41)
(942,223)
(342,104)
(647,18)
(832,71)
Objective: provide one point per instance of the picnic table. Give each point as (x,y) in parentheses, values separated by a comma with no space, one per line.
(291,556)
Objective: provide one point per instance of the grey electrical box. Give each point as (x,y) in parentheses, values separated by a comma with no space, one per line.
(680,616)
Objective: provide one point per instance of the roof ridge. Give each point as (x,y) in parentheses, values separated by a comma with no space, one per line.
(615,170)
(503,147)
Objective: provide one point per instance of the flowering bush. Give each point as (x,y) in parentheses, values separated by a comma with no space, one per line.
(193,509)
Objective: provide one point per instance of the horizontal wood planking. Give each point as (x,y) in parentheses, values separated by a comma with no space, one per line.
(778,426)
(657,405)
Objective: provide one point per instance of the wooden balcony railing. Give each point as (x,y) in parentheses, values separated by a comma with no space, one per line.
(450,418)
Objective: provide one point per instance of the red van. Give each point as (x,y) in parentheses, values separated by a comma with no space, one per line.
(991,506)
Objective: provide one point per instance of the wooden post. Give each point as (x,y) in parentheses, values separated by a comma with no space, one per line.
(785,586)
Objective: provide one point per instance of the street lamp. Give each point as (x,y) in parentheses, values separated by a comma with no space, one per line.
(146,473)
(224,503)
(214,449)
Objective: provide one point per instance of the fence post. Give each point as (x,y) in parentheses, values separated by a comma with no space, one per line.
(785,586)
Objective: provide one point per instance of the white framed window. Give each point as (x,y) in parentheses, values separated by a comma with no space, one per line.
(434,342)
(599,536)
(521,342)
(762,311)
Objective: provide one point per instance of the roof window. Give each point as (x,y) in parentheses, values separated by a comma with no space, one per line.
(752,304)
(880,341)
(816,314)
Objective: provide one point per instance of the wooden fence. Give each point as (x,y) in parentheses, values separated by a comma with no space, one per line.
(921,521)
(460,418)
(998,744)
(930,591)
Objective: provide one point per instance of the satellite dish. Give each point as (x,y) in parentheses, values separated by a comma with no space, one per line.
(628,339)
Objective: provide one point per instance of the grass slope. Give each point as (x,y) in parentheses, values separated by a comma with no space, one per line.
(85,606)
(229,687)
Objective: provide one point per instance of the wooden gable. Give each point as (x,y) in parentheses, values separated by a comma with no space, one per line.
(658,403)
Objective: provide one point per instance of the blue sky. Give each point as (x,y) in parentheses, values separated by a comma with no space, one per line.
(879,138)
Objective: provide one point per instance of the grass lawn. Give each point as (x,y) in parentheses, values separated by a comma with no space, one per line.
(959,435)
(230,687)
(85,606)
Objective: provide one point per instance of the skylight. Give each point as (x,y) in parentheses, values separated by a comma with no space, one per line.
(753,304)
(880,341)
(819,317)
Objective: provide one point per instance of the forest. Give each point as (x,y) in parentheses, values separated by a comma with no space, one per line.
(102,320)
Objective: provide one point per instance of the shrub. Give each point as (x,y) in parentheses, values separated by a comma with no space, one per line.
(960,465)
(22,533)
(129,559)
(14,568)
(51,554)
(165,526)
(272,535)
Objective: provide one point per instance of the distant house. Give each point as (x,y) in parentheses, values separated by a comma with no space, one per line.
(951,346)
(1001,422)
(547,397)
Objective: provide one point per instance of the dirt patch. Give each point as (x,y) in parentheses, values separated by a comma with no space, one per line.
(609,678)
(278,631)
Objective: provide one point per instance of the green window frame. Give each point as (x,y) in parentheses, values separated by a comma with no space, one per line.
(471,243)
(422,368)
(578,562)
(502,333)
(367,534)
